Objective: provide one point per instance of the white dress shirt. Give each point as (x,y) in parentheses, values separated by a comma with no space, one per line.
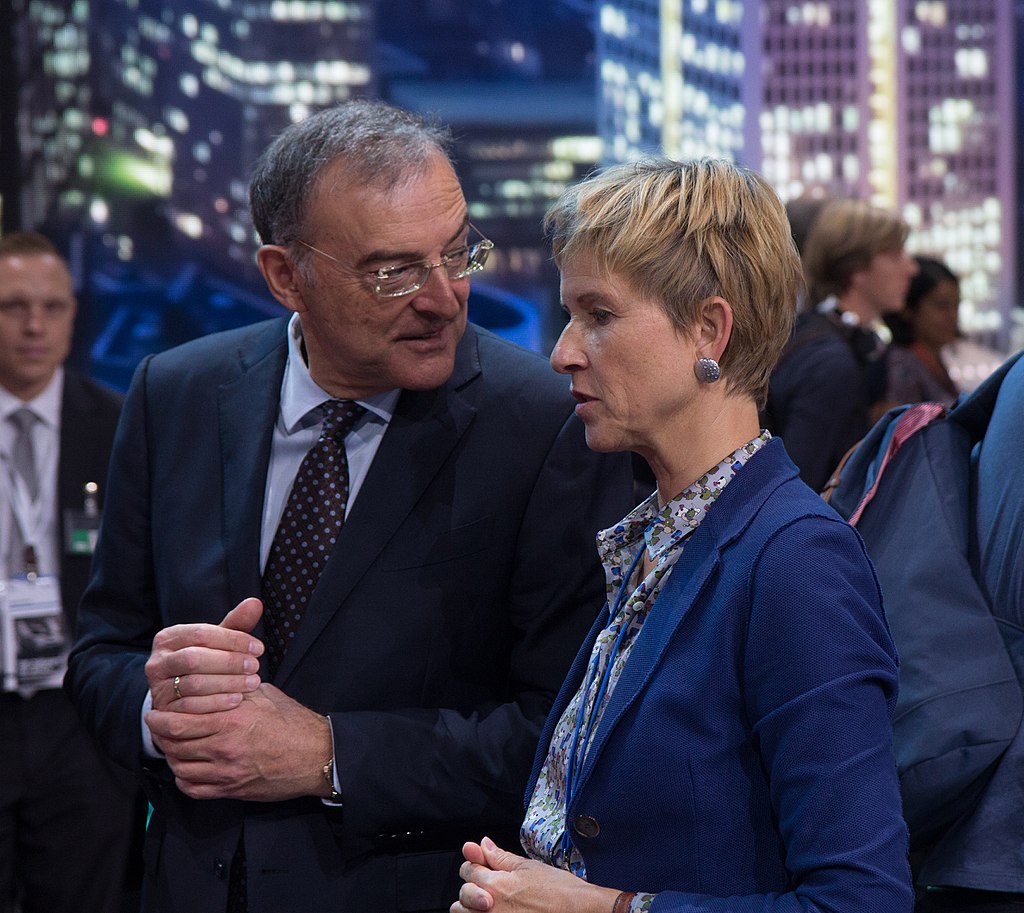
(296,430)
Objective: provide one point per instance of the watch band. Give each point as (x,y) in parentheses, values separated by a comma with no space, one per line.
(328,770)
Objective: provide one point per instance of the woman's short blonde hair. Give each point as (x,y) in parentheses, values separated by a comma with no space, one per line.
(682,232)
(845,237)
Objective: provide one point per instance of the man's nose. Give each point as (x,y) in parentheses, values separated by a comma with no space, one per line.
(438,295)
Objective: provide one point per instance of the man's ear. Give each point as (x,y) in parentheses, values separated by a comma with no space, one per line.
(281,275)
(713,328)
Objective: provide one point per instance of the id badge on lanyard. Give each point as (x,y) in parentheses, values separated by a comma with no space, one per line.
(33,636)
(34,643)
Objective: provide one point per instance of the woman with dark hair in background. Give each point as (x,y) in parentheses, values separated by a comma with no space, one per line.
(920,331)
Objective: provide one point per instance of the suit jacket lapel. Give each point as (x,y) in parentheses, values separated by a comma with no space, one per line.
(248,409)
(422,434)
(81,457)
(689,574)
(79,447)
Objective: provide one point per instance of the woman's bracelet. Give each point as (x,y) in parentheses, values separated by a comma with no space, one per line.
(623,901)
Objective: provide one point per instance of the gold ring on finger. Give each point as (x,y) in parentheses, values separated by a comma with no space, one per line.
(177,687)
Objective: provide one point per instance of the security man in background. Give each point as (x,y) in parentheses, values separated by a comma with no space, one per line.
(65,811)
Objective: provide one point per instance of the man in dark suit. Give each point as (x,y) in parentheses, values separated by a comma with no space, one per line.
(64,812)
(407,658)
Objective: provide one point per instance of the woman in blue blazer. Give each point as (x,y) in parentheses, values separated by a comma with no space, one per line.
(723,740)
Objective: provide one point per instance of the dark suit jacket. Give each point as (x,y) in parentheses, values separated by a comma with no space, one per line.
(745,752)
(88,420)
(464,579)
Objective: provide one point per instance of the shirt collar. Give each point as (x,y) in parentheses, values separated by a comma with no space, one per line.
(46,405)
(300,394)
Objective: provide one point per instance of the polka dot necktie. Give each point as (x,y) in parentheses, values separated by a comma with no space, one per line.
(309,526)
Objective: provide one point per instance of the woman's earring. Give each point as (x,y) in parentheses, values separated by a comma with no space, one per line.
(707,370)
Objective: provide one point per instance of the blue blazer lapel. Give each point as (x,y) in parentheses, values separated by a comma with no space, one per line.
(689,576)
(697,565)
(248,409)
(422,434)
(691,571)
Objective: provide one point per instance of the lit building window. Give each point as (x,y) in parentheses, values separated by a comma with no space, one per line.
(971,63)
(614,22)
(911,40)
(931,12)
(189,224)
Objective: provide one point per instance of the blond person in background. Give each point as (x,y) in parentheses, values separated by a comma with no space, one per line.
(829,384)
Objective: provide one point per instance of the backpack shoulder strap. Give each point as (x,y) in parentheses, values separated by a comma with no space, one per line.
(855,479)
(912,420)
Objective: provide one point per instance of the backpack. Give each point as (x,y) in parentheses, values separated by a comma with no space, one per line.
(907,487)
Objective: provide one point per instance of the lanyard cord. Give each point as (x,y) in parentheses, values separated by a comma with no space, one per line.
(573,761)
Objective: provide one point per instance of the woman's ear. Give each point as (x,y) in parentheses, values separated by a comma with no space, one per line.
(281,275)
(713,327)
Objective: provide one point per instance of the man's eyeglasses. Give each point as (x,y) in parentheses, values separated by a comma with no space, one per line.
(406,278)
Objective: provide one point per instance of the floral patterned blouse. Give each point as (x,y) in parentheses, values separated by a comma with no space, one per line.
(663,531)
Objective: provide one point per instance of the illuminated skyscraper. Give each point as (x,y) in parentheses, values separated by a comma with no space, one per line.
(51,57)
(956,147)
(1018,130)
(903,102)
(145,116)
(517,148)
(823,125)
(670,75)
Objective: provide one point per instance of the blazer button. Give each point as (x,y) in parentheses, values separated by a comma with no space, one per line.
(586,826)
(219,868)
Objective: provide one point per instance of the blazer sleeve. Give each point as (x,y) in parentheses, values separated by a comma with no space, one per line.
(472,767)
(820,678)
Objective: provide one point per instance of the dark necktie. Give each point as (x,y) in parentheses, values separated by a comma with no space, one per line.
(309,526)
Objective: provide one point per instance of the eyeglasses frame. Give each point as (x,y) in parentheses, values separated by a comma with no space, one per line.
(473,265)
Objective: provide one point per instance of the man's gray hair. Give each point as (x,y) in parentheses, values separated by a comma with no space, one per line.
(380,145)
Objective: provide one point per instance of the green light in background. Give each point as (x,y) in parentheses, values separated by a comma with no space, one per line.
(132,175)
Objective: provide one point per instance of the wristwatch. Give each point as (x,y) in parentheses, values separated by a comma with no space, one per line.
(335,796)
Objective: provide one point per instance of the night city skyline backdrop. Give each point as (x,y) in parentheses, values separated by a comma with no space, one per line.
(127,128)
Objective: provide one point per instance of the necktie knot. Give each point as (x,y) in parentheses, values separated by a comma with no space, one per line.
(339,415)
(23,419)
